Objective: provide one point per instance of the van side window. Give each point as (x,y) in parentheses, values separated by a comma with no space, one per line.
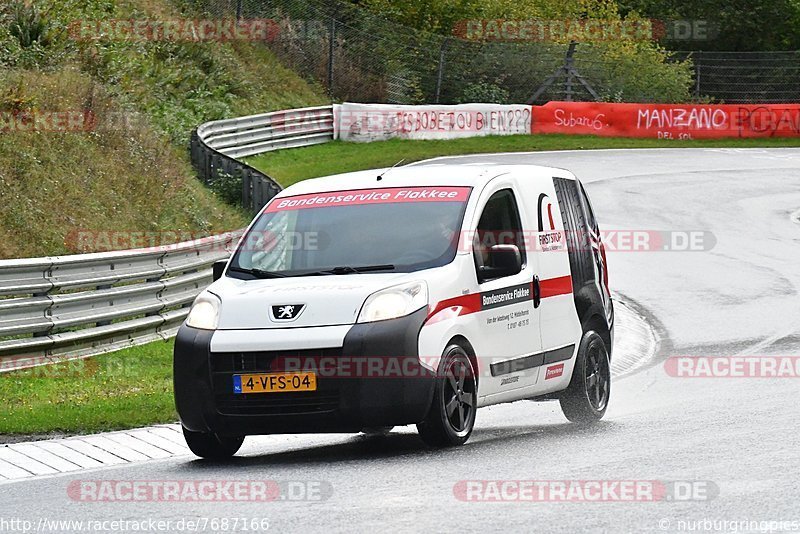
(499,225)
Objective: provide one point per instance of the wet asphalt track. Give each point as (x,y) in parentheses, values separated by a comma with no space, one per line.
(743,435)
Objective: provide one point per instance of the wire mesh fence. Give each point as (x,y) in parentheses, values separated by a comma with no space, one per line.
(745,77)
(357,55)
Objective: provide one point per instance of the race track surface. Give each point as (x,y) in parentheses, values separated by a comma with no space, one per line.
(738,438)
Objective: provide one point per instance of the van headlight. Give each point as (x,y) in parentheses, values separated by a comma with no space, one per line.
(204,313)
(393,302)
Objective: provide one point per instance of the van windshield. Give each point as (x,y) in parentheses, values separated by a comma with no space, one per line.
(342,232)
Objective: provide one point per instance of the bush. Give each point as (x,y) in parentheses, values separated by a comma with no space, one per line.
(484,92)
(228,187)
(28,26)
(634,72)
(31,38)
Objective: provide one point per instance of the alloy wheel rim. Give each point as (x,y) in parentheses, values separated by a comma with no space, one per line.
(459,390)
(597,378)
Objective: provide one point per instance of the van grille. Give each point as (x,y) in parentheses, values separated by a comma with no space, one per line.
(226,364)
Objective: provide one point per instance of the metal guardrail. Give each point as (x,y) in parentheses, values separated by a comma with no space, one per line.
(217,145)
(65,307)
(255,134)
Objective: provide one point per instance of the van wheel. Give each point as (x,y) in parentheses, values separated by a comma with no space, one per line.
(452,415)
(212,446)
(586,398)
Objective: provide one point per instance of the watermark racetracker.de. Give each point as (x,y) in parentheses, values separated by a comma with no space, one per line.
(67,121)
(586,491)
(194,491)
(190,30)
(625,240)
(733,366)
(585,30)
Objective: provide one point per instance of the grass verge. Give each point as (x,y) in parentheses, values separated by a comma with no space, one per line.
(291,166)
(124,389)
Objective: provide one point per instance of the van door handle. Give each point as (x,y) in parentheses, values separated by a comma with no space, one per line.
(537,292)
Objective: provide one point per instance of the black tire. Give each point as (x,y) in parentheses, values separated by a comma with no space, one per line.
(586,398)
(212,446)
(455,399)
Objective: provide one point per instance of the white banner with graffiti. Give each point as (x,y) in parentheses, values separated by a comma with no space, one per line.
(378,122)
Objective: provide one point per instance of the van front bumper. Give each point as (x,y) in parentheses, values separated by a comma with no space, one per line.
(365,392)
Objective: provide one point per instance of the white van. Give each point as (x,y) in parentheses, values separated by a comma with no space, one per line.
(413,295)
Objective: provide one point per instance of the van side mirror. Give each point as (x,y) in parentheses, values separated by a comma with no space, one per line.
(217,269)
(504,260)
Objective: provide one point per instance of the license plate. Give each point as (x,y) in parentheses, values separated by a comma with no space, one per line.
(274,382)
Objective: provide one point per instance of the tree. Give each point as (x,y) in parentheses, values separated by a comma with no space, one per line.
(742,25)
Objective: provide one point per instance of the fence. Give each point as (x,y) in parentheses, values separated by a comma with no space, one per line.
(361,57)
(745,77)
(216,145)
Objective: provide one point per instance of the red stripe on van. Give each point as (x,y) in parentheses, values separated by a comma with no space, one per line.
(472,303)
(552,287)
(449,308)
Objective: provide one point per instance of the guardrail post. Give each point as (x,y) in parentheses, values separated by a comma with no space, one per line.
(150,281)
(47,312)
(247,196)
(258,192)
(99,288)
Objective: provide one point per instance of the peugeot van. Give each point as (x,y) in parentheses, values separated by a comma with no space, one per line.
(414,295)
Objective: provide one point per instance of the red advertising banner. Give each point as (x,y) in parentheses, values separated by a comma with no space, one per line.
(667,121)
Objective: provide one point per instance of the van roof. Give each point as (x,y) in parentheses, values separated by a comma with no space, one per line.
(423,174)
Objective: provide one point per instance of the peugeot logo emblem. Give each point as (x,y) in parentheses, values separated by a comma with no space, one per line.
(287,312)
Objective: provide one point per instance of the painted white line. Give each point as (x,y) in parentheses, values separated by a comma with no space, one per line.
(65,456)
(172,433)
(77,458)
(635,341)
(96,453)
(12,472)
(48,458)
(138,445)
(24,462)
(126,453)
(157,441)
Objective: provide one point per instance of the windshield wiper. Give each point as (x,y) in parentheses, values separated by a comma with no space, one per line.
(259,273)
(343,269)
(346,269)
